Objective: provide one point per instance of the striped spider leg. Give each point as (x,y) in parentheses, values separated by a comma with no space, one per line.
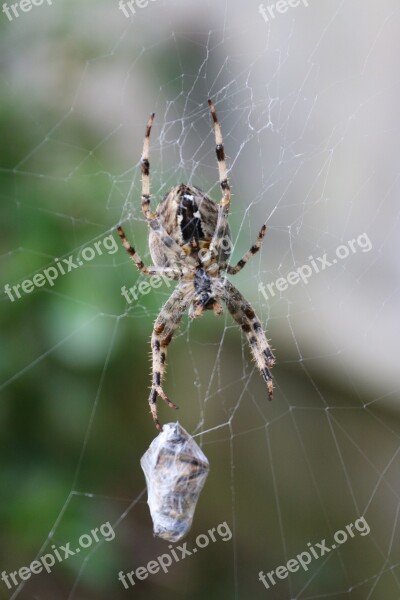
(224,205)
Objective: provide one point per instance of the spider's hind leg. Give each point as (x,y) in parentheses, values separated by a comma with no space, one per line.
(246,318)
(165,326)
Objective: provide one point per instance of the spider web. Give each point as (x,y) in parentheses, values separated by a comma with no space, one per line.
(307,104)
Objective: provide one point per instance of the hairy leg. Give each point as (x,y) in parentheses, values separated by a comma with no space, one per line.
(165,326)
(245,317)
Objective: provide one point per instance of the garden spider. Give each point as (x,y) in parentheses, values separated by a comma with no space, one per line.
(190,241)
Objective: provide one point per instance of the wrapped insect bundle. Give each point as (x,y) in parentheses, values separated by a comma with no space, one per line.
(176,470)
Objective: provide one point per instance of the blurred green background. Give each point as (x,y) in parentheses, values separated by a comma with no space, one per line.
(307,105)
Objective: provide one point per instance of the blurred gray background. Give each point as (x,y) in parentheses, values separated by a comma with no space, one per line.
(308,106)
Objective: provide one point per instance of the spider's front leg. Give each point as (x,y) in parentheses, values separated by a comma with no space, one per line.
(169,272)
(245,259)
(151,217)
(223,206)
(165,326)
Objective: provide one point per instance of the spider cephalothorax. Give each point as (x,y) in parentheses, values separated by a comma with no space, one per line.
(190,241)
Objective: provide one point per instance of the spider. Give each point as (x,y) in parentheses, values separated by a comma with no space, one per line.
(190,241)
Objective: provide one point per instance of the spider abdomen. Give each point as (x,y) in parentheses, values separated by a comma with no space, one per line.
(189,217)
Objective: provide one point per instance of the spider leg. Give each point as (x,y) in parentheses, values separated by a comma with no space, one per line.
(151,217)
(223,207)
(165,326)
(246,318)
(223,176)
(171,273)
(145,166)
(245,259)
(165,238)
